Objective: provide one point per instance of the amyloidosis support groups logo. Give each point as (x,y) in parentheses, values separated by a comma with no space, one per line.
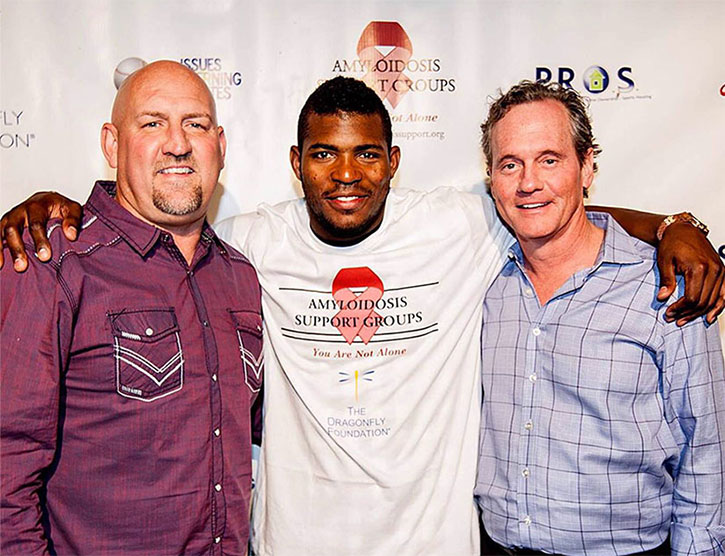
(388,63)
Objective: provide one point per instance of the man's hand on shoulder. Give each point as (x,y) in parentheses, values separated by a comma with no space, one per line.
(685,250)
(35,213)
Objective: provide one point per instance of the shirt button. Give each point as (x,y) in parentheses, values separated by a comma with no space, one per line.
(527,520)
(525,472)
(217,487)
(259,328)
(529,425)
(217,540)
(149,331)
(536,331)
(217,432)
(528,292)
(532,377)
(213,377)
(205,323)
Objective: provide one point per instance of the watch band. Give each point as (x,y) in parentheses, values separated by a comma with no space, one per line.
(680,217)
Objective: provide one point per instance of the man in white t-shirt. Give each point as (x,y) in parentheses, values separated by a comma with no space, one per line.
(372,301)
(372,326)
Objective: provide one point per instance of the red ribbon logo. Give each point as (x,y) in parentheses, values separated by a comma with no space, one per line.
(385,71)
(357,316)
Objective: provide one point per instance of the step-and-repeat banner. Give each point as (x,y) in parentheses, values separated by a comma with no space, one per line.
(654,70)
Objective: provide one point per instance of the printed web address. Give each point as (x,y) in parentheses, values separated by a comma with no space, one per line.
(411,135)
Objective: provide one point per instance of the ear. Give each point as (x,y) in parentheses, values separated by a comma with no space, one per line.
(296,161)
(109,144)
(222,143)
(587,173)
(394,160)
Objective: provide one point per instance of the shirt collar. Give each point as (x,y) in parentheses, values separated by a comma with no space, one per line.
(618,246)
(140,235)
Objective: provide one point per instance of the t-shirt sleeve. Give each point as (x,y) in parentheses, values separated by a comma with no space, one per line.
(238,231)
(491,239)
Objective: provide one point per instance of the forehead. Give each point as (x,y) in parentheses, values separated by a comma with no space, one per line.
(345,129)
(175,93)
(533,124)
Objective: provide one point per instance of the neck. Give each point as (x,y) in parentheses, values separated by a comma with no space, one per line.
(187,241)
(552,261)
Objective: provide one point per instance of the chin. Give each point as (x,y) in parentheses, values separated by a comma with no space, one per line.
(348,231)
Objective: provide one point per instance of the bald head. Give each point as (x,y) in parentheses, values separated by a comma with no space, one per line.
(147,79)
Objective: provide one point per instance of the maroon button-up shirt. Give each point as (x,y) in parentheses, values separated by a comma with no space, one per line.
(127,381)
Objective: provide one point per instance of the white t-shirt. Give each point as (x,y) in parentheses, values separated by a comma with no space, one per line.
(372,376)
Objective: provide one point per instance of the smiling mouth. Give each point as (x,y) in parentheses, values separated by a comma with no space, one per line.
(530,206)
(346,202)
(176,170)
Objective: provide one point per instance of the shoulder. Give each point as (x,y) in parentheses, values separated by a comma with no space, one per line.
(441,198)
(93,236)
(242,230)
(45,281)
(237,258)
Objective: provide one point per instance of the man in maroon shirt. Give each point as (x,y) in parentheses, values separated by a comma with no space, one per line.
(124,401)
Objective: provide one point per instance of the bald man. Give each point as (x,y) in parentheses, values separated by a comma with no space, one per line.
(125,405)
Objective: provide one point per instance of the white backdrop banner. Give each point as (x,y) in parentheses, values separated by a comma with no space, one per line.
(655,73)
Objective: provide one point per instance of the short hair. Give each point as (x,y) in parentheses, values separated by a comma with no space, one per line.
(529,91)
(344,95)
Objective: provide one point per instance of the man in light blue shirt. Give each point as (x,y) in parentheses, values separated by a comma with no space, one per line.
(602,424)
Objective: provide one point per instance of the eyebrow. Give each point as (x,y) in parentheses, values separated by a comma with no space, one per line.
(324,146)
(500,159)
(153,115)
(369,146)
(547,152)
(551,153)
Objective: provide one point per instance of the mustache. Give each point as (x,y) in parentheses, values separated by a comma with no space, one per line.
(180,160)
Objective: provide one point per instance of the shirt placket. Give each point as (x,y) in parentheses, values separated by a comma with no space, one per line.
(218,502)
(525,501)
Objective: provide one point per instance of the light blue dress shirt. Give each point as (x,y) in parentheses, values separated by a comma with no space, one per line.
(602,425)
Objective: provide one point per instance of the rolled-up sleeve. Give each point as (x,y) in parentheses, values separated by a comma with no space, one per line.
(35,330)
(694,392)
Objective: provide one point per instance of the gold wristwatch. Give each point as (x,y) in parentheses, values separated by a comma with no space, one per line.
(680,217)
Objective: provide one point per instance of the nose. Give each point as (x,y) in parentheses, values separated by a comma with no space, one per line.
(177,142)
(346,170)
(529,181)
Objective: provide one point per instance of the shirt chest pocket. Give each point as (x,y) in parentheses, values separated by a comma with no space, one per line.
(248,326)
(147,353)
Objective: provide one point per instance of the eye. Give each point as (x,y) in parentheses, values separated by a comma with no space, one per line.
(550,161)
(198,125)
(321,155)
(369,155)
(151,124)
